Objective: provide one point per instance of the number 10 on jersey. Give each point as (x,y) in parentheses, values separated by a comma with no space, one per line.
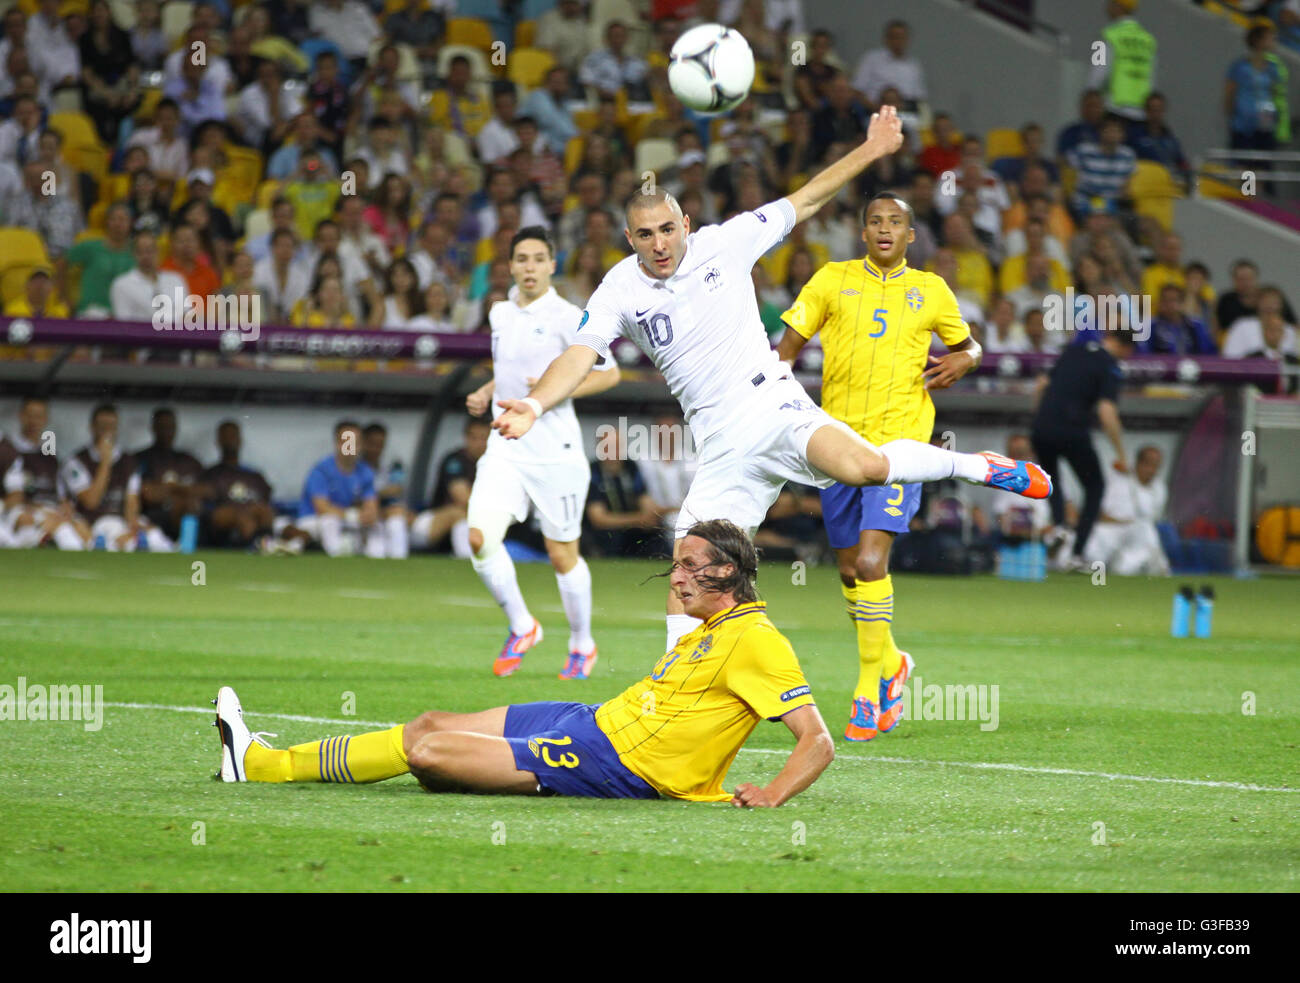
(658,330)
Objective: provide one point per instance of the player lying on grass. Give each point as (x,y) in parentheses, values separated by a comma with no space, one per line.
(687,301)
(674,733)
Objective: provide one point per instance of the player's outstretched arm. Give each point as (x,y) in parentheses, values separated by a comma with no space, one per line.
(962,358)
(884,136)
(556,385)
(790,345)
(597,382)
(813,752)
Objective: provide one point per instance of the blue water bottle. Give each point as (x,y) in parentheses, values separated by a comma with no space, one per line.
(1183,601)
(189,533)
(1204,611)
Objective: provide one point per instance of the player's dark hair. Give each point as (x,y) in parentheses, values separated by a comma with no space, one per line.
(893,196)
(533,232)
(731,546)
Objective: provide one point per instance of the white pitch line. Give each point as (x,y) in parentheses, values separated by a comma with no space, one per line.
(983,765)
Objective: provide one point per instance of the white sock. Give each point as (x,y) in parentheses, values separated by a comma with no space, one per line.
(575,593)
(372,542)
(460,540)
(67,538)
(399,542)
(679,625)
(331,534)
(498,574)
(158,541)
(912,461)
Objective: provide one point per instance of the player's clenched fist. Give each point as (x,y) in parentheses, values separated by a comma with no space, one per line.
(516,420)
(751,797)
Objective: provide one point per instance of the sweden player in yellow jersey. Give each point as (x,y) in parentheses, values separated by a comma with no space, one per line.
(876,316)
(674,733)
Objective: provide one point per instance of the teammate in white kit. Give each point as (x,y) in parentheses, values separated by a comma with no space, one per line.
(547,469)
(687,301)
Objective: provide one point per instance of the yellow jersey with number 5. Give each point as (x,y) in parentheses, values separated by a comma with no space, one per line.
(875,332)
(680,728)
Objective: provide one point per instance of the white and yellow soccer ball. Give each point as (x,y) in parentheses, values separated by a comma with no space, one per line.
(711,68)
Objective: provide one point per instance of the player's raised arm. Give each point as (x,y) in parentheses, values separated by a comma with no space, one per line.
(884,136)
(790,345)
(556,385)
(812,753)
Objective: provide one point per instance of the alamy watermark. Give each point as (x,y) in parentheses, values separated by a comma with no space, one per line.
(179,311)
(644,442)
(38,702)
(951,702)
(1109,312)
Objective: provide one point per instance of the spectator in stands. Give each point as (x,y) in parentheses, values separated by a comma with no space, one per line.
(169,153)
(327,304)
(360,246)
(502,188)
(537,170)
(132,294)
(55,217)
(109,76)
(1012,169)
(1014,273)
(974,177)
(1125,68)
(385,150)
(417,24)
(282,217)
(169,478)
(390,489)
(36,508)
(583,272)
(148,212)
(1037,287)
(496,140)
(459,105)
(921,197)
(339,502)
(1037,338)
(1017,519)
(55,58)
(240,283)
(148,43)
(347,23)
(432,259)
(20,136)
(1003,333)
(291,20)
(1255,94)
(1104,239)
(614,68)
(841,118)
(812,78)
(306,136)
(1084,379)
(266,109)
(12,37)
(330,105)
(621,519)
(1087,129)
(383,85)
(38,298)
(1152,139)
(1168,265)
(974,271)
(1125,538)
(188,260)
(313,192)
(547,105)
(283,276)
(944,265)
(1270,334)
(668,470)
(565,32)
(1016,240)
(263,42)
(1172,331)
(437,310)
(1102,169)
(389,214)
(236,498)
(891,67)
(100,261)
(1035,183)
(105,485)
(197,93)
(944,151)
(452,486)
(403,300)
(1243,299)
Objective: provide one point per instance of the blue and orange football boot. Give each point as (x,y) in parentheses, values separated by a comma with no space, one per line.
(579,665)
(512,653)
(862,725)
(891,696)
(1022,477)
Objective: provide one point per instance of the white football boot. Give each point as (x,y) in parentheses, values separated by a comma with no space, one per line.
(235,735)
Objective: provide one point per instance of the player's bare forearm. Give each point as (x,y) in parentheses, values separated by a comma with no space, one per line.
(812,753)
(480,400)
(597,382)
(961,359)
(884,136)
(790,345)
(556,385)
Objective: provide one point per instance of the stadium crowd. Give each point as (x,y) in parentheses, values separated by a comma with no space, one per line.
(365,165)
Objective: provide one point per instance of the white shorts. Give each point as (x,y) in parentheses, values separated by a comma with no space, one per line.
(556,489)
(743,469)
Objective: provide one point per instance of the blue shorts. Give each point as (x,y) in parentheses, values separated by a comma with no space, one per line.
(561,744)
(849,511)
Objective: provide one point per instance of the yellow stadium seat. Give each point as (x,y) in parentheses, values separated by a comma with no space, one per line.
(13,282)
(76,128)
(1003,143)
(655,155)
(98,211)
(148,104)
(585,119)
(572,154)
(266,192)
(1218,181)
(1153,190)
(525,34)
(176,17)
(21,247)
(113,187)
(528,66)
(244,167)
(473,31)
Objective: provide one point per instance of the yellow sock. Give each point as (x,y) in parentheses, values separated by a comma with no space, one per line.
(873,614)
(365,758)
(850,598)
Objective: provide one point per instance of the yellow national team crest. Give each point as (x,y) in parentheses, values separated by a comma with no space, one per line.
(914,298)
(701,650)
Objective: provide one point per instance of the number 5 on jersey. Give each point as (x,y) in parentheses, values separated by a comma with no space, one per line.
(879,318)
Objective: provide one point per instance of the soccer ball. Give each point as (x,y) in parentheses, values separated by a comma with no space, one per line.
(711,68)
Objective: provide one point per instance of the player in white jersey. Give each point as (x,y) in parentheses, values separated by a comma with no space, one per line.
(687,301)
(547,469)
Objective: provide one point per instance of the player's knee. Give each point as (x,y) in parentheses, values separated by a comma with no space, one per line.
(868,467)
(848,573)
(427,755)
(872,565)
(419,728)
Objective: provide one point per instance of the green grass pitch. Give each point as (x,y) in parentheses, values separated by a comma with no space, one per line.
(1123,760)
